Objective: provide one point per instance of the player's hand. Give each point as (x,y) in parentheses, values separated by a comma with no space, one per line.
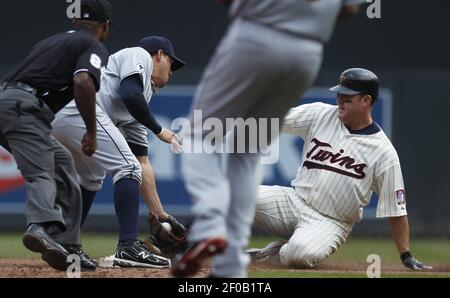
(163,241)
(177,228)
(415,265)
(177,144)
(89,143)
(166,136)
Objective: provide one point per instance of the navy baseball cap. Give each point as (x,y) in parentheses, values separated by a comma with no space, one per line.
(356,81)
(153,44)
(95,10)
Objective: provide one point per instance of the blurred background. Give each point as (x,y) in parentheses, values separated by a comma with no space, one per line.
(408,48)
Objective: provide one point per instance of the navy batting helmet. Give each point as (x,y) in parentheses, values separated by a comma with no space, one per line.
(358,81)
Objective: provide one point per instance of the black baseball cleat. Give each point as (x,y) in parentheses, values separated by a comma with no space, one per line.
(135,254)
(192,260)
(37,240)
(86,262)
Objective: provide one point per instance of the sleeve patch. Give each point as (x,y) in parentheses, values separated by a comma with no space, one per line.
(400,194)
(96,61)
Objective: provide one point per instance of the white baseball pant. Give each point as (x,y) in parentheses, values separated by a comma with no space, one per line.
(311,237)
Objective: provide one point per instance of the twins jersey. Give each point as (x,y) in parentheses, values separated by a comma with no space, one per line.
(123,64)
(340,170)
(311,18)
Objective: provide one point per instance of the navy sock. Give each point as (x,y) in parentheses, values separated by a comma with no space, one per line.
(87,197)
(126,203)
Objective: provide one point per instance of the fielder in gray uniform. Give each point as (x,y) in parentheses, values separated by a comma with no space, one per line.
(123,117)
(346,156)
(268,58)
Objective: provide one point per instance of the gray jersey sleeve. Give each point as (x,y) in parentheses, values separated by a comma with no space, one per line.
(136,61)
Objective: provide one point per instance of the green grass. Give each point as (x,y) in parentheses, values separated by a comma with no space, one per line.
(98,245)
(429,250)
(355,251)
(435,252)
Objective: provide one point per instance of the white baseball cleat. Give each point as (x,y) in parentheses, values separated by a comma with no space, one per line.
(270,251)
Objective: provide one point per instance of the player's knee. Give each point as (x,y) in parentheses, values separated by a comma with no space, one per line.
(129,171)
(300,255)
(92,184)
(259,202)
(260,215)
(64,159)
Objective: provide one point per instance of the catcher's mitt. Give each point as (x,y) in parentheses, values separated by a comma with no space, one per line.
(161,241)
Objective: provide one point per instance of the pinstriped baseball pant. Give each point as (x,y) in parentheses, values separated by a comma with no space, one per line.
(311,236)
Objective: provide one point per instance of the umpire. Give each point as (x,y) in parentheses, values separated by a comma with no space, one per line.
(58,69)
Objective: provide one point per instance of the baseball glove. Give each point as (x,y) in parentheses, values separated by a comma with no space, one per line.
(161,241)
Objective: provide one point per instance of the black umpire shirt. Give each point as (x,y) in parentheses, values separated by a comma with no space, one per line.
(53,62)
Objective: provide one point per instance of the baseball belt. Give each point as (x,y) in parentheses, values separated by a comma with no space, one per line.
(19,86)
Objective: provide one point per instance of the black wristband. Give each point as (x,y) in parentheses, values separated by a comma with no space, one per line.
(405,256)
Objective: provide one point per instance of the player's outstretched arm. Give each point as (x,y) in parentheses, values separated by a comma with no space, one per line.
(151,196)
(161,241)
(400,231)
(131,92)
(84,93)
(148,188)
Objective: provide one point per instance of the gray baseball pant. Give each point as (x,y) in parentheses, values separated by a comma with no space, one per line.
(53,193)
